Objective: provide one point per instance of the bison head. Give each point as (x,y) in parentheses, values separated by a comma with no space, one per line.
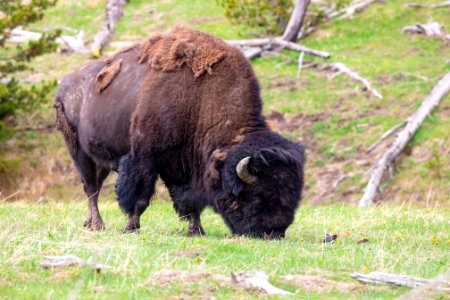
(262,181)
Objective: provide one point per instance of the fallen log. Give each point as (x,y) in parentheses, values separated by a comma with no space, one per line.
(400,280)
(385,136)
(267,44)
(352,9)
(412,124)
(113,13)
(257,280)
(340,68)
(431,28)
(443,4)
(70,260)
(430,291)
(74,43)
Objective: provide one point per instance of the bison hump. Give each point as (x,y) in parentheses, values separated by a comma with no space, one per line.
(181,46)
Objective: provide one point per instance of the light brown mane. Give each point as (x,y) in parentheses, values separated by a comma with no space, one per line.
(182,46)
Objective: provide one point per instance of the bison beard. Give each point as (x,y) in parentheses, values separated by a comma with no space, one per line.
(196,122)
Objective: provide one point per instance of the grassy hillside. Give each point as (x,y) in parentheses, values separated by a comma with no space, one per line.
(336,121)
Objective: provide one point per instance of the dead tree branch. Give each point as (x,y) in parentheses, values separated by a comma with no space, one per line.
(296,21)
(258,280)
(250,47)
(70,260)
(113,13)
(443,4)
(429,291)
(400,280)
(349,11)
(385,136)
(431,28)
(340,68)
(412,124)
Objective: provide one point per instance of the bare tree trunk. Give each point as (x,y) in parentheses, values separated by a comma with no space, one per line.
(113,12)
(412,124)
(296,20)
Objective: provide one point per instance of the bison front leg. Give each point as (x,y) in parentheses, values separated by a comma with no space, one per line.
(195,226)
(135,187)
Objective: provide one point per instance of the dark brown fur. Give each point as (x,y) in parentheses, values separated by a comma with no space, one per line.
(96,126)
(192,125)
(184,106)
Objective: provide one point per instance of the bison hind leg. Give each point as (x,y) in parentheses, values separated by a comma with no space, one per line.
(134,188)
(92,177)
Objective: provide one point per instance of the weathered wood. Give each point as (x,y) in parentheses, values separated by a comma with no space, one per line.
(429,291)
(431,28)
(352,9)
(400,280)
(443,4)
(270,43)
(113,13)
(70,260)
(74,43)
(296,20)
(385,136)
(257,280)
(411,126)
(340,68)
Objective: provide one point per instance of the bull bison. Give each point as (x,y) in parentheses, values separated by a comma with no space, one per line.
(186,107)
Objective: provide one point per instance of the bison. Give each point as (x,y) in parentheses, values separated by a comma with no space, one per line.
(183,106)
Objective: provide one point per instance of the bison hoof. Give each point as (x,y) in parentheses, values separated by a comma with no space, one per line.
(94,225)
(196,232)
(131,228)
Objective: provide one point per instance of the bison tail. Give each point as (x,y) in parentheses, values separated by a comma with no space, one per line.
(68,131)
(136,182)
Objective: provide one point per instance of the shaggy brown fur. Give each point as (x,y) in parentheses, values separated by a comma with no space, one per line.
(181,46)
(192,129)
(159,114)
(70,136)
(106,75)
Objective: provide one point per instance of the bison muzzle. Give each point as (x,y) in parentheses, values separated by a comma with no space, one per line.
(183,106)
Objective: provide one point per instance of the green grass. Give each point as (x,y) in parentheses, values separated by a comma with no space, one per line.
(402,240)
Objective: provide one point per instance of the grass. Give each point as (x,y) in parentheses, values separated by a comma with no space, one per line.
(402,239)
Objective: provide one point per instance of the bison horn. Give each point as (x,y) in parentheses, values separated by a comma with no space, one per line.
(242,171)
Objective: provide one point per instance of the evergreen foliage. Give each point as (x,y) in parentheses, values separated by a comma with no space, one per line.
(15,96)
(271,16)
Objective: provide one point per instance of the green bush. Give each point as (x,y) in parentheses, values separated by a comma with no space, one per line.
(271,16)
(15,96)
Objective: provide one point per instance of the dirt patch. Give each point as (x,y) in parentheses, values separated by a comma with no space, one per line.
(284,84)
(310,283)
(186,253)
(166,277)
